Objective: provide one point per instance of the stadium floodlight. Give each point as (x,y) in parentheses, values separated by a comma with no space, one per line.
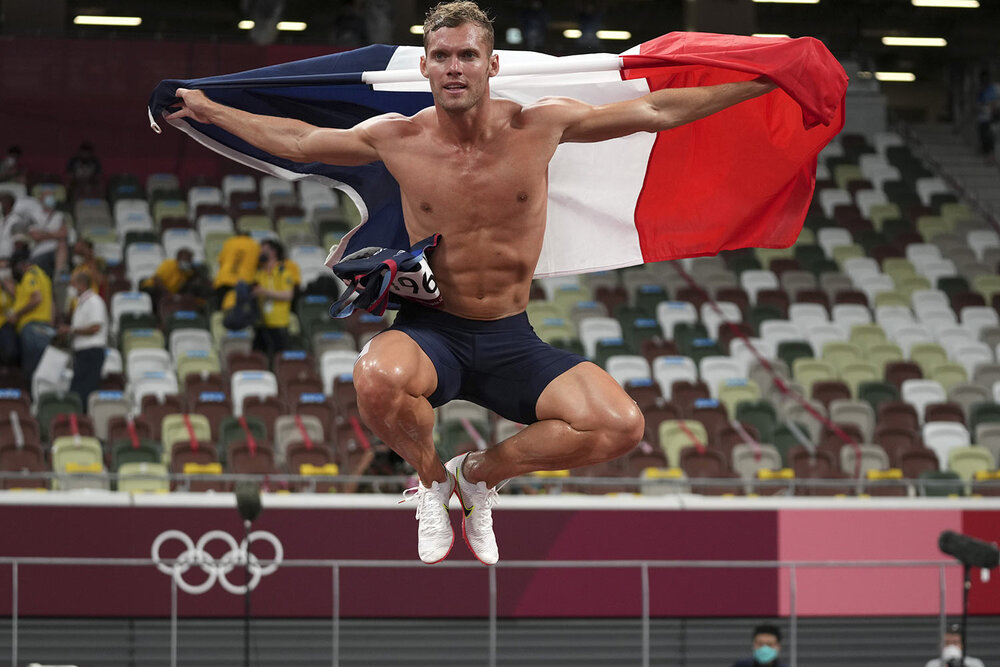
(572,33)
(951,4)
(291,26)
(914,41)
(246,24)
(614,34)
(118,21)
(904,77)
(416,29)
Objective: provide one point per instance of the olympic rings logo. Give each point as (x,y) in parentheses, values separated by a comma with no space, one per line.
(215,568)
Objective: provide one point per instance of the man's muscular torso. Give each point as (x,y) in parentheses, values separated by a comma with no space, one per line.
(487,200)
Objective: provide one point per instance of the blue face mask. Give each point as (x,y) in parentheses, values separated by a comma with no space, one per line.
(765,654)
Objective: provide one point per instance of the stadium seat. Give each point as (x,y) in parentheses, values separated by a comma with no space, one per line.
(183,426)
(677,434)
(51,404)
(872,457)
(967,461)
(71,454)
(735,391)
(940,484)
(942,437)
(134,450)
(305,429)
(251,383)
(921,392)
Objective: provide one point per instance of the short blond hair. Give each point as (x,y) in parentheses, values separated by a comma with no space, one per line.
(454,14)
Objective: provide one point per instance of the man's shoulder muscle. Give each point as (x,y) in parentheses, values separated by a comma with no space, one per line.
(554,111)
(390,127)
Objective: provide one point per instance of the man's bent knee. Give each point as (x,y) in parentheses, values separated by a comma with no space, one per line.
(377,382)
(391,367)
(619,433)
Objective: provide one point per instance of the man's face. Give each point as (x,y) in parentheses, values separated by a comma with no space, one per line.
(6,204)
(766,639)
(458,65)
(953,639)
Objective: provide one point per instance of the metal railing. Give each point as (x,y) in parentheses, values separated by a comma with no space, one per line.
(642,567)
(526,484)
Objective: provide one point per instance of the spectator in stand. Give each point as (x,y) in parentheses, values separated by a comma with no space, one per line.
(987,113)
(88,331)
(951,650)
(7,223)
(9,345)
(766,647)
(31,311)
(277,279)
(49,231)
(175,275)
(237,262)
(85,261)
(11,168)
(84,168)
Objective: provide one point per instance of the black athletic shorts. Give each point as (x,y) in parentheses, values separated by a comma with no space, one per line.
(499,364)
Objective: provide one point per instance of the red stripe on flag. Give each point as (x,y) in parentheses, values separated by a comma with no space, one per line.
(742,177)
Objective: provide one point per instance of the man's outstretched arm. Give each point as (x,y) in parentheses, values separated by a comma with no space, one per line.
(284,137)
(657,111)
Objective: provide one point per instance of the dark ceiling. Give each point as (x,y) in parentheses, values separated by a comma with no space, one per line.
(850,28)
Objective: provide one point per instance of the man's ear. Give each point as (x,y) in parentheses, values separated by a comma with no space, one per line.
(423,66)
(494,64)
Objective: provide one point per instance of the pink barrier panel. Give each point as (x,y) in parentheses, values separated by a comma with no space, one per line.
(528,530)
(825,535)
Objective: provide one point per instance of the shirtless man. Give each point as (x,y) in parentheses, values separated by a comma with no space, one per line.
(475,170)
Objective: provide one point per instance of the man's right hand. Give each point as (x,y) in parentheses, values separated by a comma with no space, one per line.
(193,104)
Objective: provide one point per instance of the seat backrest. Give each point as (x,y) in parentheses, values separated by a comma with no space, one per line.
(79,450)
(942,437)
(872,457)
(184,427)
(245,458)
(967,461)
(143,477)
(677,434)
(747,459)
(251,383)
(140,451)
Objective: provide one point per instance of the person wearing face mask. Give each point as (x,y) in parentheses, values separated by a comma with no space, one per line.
(95,268)
(237,263)
(951,650)
(31,311)
(11,168)
(49,231)
(173,275)
(276,282)
(766,647)
(88,333)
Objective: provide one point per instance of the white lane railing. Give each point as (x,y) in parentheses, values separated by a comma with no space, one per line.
(642,567)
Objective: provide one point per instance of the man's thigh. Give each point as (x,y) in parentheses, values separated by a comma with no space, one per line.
(585,397)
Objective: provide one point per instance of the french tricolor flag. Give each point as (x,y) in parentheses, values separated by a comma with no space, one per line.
(741,178)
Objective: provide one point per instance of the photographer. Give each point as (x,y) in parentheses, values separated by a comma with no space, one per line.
(951,650)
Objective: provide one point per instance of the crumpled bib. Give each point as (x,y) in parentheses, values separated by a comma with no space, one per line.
(379,278)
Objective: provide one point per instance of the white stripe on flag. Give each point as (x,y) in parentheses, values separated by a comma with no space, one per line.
(593,188)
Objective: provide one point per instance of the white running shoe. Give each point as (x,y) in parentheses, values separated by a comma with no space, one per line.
(477,506)
(435,536)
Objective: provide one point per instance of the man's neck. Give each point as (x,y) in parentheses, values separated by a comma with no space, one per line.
(465,128)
